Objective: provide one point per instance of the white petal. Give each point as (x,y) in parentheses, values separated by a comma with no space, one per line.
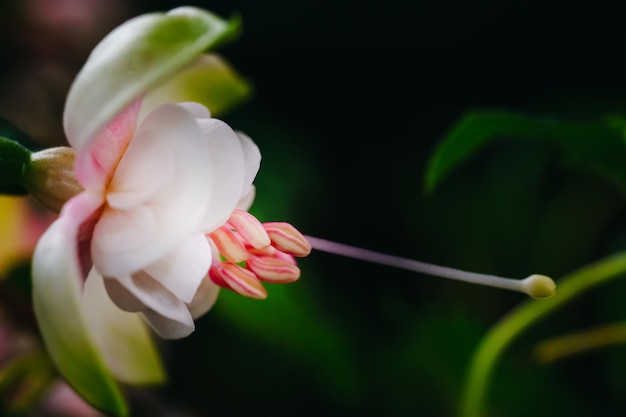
(252,157)
(245,202)
(130,60)
(228,172)
(204,299)
(57,289)
(196,109)
(155,297)
(122,338)
(177,207)
(167,328)
(121,297)
(123,230)
(147,164)
(182,270)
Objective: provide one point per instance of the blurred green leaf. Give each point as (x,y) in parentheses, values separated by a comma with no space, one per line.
(24,380)
(10,131)
(495,343)
(597,147)
(281,321)
(561,240)
(429,357)
(13,159)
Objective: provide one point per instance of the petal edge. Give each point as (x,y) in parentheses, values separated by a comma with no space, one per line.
(57,288)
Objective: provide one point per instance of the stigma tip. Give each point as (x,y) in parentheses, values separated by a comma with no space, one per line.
(539,286)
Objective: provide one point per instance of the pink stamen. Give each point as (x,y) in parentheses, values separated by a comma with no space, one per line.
(240,280)
(268,250)
(287,238)
(216,276)
(229,245)
(273,269)
(250,229)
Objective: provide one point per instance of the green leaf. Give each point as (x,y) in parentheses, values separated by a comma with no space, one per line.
(595,147)
(278,322)
(134,58)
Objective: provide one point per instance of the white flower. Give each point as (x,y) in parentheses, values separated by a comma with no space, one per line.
(156,176)
(161,222)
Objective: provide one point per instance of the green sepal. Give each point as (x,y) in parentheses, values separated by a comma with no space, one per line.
(210,81)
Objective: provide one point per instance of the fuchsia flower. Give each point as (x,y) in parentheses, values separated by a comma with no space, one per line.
(153,189)
(161,221)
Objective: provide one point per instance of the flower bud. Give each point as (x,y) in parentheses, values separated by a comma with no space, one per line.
(50,179)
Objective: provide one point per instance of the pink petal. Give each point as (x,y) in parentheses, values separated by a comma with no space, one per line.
(64,247)
(147,164)
(97,159)
(81,213)
(182,270)
(177,206)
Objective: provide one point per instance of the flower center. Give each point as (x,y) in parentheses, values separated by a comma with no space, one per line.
(255,252)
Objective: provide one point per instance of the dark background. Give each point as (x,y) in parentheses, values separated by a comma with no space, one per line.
(359,93)
(350,99)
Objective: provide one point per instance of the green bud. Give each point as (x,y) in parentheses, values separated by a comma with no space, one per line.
(49,177)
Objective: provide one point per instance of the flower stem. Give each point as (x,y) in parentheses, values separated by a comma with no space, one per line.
(511,326)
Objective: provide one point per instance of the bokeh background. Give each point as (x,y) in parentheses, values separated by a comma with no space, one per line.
(350,100)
